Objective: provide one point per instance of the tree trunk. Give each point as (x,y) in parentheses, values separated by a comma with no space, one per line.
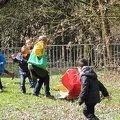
(105,31)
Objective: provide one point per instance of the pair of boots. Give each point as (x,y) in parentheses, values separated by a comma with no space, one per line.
(11,74)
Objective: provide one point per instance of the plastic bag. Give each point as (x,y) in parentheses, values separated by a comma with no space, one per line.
(71,80)
(40,62)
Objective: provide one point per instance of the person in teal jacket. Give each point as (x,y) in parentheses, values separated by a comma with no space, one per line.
(2,67)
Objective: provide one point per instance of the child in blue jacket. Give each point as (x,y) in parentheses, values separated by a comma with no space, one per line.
(2,67)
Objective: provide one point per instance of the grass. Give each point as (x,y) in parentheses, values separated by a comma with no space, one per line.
(15,106)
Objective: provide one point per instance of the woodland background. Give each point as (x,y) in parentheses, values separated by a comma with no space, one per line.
(63,21)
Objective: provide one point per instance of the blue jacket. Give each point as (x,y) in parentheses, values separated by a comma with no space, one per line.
(2,62)
(23,65)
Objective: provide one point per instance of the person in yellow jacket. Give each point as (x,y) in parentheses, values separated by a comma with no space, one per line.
(40,74)
(39,47)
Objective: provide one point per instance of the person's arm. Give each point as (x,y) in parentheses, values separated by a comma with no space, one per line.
(104,91)
(17,58)
(84,90)
(13,56)
(3,60)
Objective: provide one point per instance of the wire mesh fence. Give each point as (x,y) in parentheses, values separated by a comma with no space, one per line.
(60,57)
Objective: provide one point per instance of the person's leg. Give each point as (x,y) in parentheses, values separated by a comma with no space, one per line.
(85,111)
(46,80)
(0,84)
(34,83)
(1,90)
(1,87)
(22,84)
(30,82)
(11,74)
(88,111)
(32,72)
(38,87)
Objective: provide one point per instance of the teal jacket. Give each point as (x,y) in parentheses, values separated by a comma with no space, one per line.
(2,62)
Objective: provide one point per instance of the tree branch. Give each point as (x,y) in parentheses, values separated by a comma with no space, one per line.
(3,3)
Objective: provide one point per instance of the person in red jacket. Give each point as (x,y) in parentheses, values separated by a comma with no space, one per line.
(91,86)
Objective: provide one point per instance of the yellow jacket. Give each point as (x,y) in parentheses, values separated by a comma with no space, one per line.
(39,49)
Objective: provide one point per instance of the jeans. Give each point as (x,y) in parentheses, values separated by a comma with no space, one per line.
(22,82)
(39,84)
(32,82)
(88,111)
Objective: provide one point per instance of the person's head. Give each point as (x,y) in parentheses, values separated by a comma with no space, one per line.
(43,39)
(29,43)
(25,50)
(81,63)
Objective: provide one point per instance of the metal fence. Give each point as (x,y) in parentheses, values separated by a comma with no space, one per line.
(61,58)
(99,56)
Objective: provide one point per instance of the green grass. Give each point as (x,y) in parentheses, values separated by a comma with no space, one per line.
(15,106)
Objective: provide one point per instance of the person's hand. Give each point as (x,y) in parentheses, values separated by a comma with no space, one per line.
(108,97)
(77,72)
(13,56)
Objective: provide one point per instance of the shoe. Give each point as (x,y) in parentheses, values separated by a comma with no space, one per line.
(33,94)
(96,118)
(11,75)
(49,96)
(93,118)
(31,86)
(1,90)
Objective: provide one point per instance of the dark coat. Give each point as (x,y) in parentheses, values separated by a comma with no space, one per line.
(90,87)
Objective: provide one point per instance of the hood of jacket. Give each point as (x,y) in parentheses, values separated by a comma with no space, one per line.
(88,71)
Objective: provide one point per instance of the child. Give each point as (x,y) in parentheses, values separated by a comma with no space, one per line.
(11,74)
(2,67)
(39,47)
(29,45)
(37,72)
(22,59)
(90,89)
